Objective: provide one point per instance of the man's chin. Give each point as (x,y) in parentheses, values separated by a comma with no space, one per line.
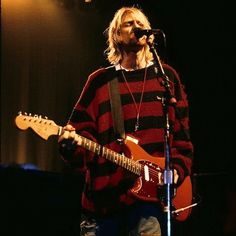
(134,47)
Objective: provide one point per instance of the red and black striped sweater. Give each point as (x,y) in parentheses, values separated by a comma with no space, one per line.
(106,184)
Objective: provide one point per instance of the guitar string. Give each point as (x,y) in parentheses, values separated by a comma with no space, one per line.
(153,172)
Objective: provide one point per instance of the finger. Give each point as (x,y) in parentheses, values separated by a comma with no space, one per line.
(78,140)
(176,176)
(69,127)
(65,135)
(72,134)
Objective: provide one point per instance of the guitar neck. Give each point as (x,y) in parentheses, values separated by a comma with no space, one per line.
(117,158)
(45,128)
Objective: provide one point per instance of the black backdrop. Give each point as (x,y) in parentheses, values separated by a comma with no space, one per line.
(48,49)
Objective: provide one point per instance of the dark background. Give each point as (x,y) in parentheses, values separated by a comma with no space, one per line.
(49,47)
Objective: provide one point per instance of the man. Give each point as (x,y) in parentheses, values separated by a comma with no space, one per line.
(112,202)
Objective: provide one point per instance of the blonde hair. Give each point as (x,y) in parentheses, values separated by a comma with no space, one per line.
(113,51)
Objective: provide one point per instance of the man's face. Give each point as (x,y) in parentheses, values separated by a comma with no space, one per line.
(126,33)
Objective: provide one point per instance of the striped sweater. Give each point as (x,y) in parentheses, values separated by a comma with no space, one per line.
(106,184)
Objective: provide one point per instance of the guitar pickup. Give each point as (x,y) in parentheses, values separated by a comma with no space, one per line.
(146,173)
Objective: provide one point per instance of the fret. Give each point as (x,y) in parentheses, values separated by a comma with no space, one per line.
(113,157)
(116,158)
(89,144)
(104,152)
(83,142)
(129,164)
(119,159)
(97,149)
(94,147)
(133,167)
(109,155)
(124,161)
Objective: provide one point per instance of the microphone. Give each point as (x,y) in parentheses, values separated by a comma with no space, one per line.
(138,32)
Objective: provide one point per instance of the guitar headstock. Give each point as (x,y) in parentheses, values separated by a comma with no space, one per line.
(42,126)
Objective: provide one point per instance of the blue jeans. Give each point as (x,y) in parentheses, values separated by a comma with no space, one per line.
(140,218)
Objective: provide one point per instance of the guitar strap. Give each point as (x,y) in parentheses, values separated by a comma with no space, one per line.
(116,111)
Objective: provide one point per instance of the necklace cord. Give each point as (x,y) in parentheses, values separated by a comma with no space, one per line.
(137,107)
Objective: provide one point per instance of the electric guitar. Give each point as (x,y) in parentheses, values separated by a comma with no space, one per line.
(148,169)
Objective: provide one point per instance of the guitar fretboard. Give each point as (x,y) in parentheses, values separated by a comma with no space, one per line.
(112,156)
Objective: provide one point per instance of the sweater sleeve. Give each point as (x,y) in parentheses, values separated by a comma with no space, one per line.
(83,119)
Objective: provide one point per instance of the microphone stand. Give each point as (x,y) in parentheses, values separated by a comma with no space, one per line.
(167,100)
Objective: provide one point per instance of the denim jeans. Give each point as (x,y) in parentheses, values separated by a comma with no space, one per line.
(143,219)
